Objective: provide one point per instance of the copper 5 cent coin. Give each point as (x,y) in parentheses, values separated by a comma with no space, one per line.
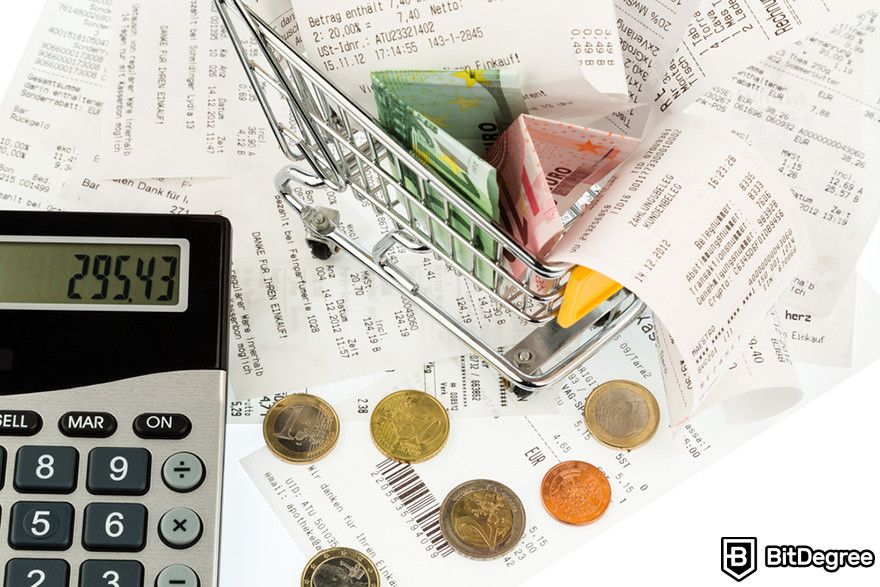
(409,426)
(575,492)
(301,428)
(340,567)
(482,519)
(622,414)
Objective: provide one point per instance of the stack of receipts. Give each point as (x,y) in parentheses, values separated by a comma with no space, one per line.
(738,219)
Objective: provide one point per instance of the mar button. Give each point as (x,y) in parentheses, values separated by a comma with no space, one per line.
(169,426)
(87,424)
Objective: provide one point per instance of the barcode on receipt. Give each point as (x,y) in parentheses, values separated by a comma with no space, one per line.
(418,499)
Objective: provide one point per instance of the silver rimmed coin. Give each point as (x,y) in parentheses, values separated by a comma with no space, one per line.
(622,414)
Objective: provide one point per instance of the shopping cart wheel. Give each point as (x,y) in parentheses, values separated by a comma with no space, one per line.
(521,392)
(320,250)
(320,222)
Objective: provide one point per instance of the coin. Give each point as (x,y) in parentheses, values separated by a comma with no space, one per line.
(409,426)
(575,492)
(301,428)
(482,519)
(340,567)
(622,414)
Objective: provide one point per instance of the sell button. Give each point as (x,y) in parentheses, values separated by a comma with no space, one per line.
(19,423)
(171,426)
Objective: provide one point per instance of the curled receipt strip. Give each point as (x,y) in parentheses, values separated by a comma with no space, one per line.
(725,241)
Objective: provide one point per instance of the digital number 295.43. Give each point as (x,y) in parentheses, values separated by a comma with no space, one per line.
(111,277)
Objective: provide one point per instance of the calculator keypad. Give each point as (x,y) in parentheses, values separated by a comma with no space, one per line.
(46,469)
(118,471)
(87,502)
(41,525)
(23,572)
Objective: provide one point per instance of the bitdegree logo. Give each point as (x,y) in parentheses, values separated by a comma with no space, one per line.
(831,560)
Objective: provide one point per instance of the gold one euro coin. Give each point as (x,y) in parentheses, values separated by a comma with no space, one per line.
(409,426)
(482,519)
(301,428)
(622,414)
(340,567)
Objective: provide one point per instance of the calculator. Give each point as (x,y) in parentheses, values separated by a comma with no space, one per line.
(113,360)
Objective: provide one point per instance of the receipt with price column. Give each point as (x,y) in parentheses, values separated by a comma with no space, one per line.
(725,35)
(812,110)
(719,240)
(175,85)
(53,98)
(556,45)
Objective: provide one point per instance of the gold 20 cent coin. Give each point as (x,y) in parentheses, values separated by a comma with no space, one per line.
(622,414)
(482,519)
(409,426)
(301,428)
(340,567)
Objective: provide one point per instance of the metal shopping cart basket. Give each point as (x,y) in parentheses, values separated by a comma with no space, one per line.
(331,142)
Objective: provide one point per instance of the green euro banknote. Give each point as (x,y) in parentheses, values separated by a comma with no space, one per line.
(449,119)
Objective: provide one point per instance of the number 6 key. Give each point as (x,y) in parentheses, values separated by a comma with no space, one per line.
(120,527)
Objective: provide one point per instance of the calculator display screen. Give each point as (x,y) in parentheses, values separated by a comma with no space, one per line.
(94,273)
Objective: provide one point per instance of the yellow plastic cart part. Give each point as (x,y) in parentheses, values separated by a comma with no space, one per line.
(585,290)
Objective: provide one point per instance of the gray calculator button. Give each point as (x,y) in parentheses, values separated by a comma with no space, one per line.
(46,469)
(180,528)
(118,471)
(41,525)
(24,572)
(111,574)
(2,465)
(183,472)
(177,576)
(115,527)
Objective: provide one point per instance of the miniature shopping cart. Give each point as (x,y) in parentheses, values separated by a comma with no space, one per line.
(332,142)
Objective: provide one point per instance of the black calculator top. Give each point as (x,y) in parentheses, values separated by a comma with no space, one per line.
(98,312)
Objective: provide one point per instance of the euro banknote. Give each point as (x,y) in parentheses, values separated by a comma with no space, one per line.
(544,167)
(448,119)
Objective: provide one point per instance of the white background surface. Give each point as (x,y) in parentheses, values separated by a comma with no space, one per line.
(811,479)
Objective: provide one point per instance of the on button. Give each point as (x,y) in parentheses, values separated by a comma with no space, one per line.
(171,426)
